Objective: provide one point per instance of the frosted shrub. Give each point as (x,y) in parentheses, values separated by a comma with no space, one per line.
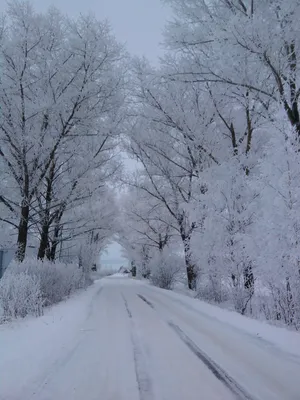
(144,270)
(28,287)
(165,269)
(57,280)
(241,298)
(20,295)
(285,297)
(211,288)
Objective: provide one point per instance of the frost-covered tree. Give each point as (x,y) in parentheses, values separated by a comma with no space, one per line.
(278,228)
(216,132)
(243,44)
(147,217)
(60,84)
(147,225)
(167,137)
(78,175)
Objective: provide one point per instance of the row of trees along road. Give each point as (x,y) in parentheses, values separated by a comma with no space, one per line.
(62,97)
(215,130)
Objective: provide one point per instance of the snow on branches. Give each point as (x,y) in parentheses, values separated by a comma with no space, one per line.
(215,131)
(61,96)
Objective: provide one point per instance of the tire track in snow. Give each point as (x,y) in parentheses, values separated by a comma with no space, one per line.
(146,301)
(143,379)
(56,366)
(263,343)
(47,378)
(91,305)
(219,373)
(126,306)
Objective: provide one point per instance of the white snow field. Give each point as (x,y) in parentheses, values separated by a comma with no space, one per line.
(126,340)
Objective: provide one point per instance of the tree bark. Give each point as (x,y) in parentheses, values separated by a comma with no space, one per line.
(22,232)
(44,241)
(190,267)
(133,268)
(249,278)
(55,242)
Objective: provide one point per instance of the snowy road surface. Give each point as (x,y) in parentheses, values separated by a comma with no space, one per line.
(125,340)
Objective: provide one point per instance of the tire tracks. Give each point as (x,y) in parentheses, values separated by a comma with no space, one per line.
(146,301)
(91,305)
(126,306)
(264,344)
(53,371)
(218,372)
(239,392)
(144,381)
(42,381)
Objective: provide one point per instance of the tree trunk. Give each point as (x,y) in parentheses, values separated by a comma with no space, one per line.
(80,259)
(290,302)
(44,241)
(55,242)
(249,278)
(160,243)
(190,267)
(133,268)
(48,251)
(22,232)
(191,275)
(52,252)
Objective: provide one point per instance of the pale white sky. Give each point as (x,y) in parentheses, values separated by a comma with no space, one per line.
(113,258)
(138,23)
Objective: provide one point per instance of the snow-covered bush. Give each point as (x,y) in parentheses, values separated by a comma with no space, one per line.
(165,268)
(212,289)
(20,295)
(143,270)
(284,301)
(29,286)
(57,280)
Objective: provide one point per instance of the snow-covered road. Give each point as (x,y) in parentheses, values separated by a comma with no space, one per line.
(125,340)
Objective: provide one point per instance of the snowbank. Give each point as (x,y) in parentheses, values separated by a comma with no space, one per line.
(48,335)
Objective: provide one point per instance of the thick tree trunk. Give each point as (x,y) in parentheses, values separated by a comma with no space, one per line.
(190,267)
(22,232)
(44,242)
(48,251)
(52,252)
(192,277)
(133,268)
(55,243)
(160,243)
(249,278)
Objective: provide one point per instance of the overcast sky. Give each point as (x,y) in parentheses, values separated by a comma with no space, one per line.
(113,258)
(137,23)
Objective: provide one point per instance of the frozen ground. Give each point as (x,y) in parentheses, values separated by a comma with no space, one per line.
(125,340)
